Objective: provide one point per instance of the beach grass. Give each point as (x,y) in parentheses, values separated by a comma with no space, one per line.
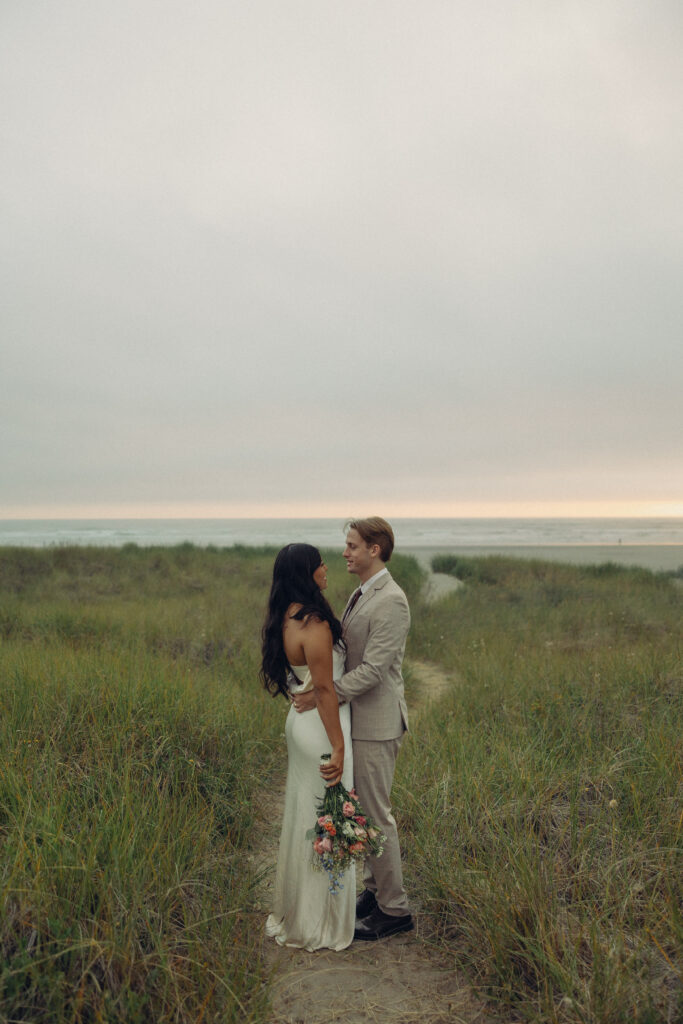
(539,798)
(132,737)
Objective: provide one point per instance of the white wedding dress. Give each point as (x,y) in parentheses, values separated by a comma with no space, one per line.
(305,913)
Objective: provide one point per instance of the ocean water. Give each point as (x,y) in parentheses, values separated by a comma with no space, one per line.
(411,534)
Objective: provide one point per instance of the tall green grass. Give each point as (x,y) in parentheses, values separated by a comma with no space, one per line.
(132,737)
(541,798)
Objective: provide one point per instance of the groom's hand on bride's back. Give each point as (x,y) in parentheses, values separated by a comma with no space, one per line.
(304,701)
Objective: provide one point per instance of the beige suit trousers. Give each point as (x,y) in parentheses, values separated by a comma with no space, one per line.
(373,770)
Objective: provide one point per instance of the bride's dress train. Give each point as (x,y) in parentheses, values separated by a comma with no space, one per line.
(305,914)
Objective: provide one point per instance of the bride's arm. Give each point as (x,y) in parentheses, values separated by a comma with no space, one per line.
(317,644)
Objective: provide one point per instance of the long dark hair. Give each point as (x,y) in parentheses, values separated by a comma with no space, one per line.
(293,583)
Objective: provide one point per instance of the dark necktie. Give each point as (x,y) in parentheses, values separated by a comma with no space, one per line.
(352,603)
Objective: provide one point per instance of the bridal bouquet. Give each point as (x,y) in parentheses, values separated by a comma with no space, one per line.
(342,834)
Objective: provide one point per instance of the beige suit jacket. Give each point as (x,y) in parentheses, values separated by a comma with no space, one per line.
(375,635)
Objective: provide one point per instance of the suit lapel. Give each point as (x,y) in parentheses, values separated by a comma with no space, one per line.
(364,598)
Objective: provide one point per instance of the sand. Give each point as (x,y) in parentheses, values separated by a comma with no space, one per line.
(438,584)
(657,557)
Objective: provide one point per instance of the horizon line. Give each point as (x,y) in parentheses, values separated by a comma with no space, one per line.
(320,510)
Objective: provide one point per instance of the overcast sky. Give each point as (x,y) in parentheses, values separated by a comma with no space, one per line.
(330,258)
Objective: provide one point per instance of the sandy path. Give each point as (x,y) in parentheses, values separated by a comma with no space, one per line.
(400,980)
(438,585)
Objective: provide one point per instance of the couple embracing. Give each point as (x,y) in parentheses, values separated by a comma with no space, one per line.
(344,681)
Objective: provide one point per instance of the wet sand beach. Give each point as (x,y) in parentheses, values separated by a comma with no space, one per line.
(656,557)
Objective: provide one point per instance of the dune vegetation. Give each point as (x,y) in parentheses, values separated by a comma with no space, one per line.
(543,795)
(132,737)
(540,799)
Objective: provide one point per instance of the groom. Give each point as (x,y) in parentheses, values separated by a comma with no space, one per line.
(375,623)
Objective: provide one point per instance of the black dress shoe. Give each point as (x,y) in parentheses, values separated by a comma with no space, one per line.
(378,925)
(365,904)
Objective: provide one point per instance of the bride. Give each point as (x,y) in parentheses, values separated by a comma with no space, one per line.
(302,650)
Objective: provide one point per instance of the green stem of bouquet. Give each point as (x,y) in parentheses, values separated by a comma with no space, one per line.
(333,800)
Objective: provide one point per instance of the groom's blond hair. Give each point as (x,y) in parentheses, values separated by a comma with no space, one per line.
(375,530)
